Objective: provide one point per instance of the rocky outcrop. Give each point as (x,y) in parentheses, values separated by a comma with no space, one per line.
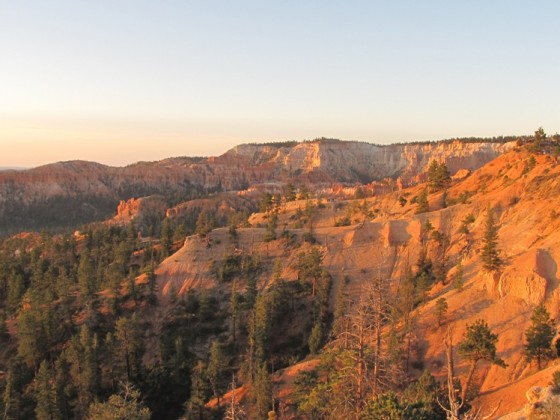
(527,278)
(530,287)
(542,403)
(221,206)
(461,174)
(140,209)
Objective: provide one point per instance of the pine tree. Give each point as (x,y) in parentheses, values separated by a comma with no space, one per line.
(47,408)
(234,310)
(540,137)
(262,328)
(130,345)
(257,337)
(125,405)
(16,289)
(271,225)
(424,389)
(468,220)
(152,283)
(205,306)
(443,175)
(339,320)
(12,396)
(438,175)
(84,369)
(290,194)
(86,278)
(166,236)
(422,205)
(427,228)
(440,268)
(261,391)
(30,338)
(232,231)
(216,370)
(316,338)
(266,202)
(277,271)
(204,225)
(444,199)
(539,336)
(123,252)
(180,232)
(490,253)
(63,386)
(251,291)
(479,344)
(441,310)
(199,390)
(322,298)
(131,288)
(432,175)
(458,280)
(310,268)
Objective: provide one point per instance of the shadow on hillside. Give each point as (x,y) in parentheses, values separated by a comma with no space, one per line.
(472,308)
(547,268)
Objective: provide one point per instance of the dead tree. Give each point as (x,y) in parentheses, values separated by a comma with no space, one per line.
(453,411)
(455,404)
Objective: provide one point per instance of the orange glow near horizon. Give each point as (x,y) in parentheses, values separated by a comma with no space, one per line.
(41,141)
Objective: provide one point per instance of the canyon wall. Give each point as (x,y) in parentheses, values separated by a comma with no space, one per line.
(71,193)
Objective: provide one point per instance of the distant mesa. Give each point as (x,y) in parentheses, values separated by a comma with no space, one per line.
(12,168)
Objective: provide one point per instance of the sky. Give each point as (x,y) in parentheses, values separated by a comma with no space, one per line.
(118,81)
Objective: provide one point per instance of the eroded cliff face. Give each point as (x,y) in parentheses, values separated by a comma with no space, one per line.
(140,210)
(77,192)
(355,161)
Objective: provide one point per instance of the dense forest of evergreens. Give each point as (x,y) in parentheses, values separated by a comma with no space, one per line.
(77,313)
(81,332)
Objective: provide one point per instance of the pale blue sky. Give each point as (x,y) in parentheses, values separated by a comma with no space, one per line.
(120,81)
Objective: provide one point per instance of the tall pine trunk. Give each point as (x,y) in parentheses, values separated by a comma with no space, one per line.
(468,380)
